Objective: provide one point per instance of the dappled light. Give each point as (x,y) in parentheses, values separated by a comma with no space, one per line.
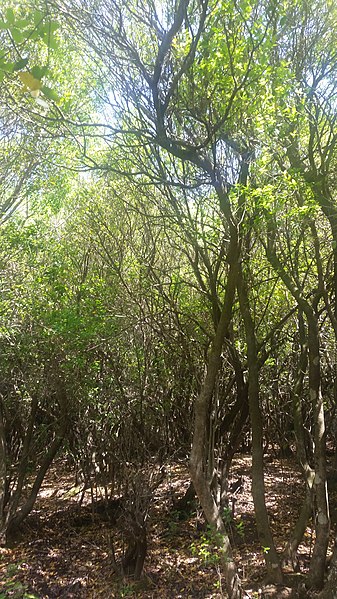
(168,311)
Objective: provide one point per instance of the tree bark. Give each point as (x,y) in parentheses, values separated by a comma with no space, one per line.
(317,564)
(3,473)
(274,571)
(318,560)
(290,551)
(28,505)
(199,452)
(15,515)
(330,588)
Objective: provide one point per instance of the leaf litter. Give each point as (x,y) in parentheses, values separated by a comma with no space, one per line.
(64,548)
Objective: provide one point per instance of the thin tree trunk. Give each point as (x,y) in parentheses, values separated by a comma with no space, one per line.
(330,588)
(297,534)
(23,465)
(15,516)
(28,505)
(274,570)
(320,187)
(199,452)
(3,473)
(290,551)
(318,560)
(235,437)
(22,472)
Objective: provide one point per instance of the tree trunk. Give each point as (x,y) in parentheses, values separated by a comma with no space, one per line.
(234,440)
(134,558)
(20,515)
(274,570)
(330,588)
(3,474)
(199,452)
(16,516)
(23,465)
(290,551)
(317,565)
(318,560)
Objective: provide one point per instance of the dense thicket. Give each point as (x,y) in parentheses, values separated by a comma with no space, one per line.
(169,270)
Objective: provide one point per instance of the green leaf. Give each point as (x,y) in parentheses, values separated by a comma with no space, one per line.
(34,35)
(38,16)
(8,67)
(20,64)
(3,25)
(49,27)
(17,35)
(2,74)
(39,72)
(50,41)
(50,93)
(22,23)
(10,16)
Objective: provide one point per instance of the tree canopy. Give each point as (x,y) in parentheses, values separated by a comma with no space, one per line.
(168,252)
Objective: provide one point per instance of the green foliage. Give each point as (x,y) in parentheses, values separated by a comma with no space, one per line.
(14,588)
(22,36)
(113,280)
(208,548)
(232,524)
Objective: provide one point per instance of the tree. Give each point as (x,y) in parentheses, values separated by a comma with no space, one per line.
(212,150)
(173,102)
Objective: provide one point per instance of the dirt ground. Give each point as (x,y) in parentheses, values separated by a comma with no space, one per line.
(64,550)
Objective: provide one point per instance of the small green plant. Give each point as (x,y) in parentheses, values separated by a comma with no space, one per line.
(208,547)
(227,516)
(231,524)
(240,528)
(13,588)
(172,528)
(133,588)
(126,591)
(12,569)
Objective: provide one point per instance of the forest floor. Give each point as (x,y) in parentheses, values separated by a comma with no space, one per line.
(65,551)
